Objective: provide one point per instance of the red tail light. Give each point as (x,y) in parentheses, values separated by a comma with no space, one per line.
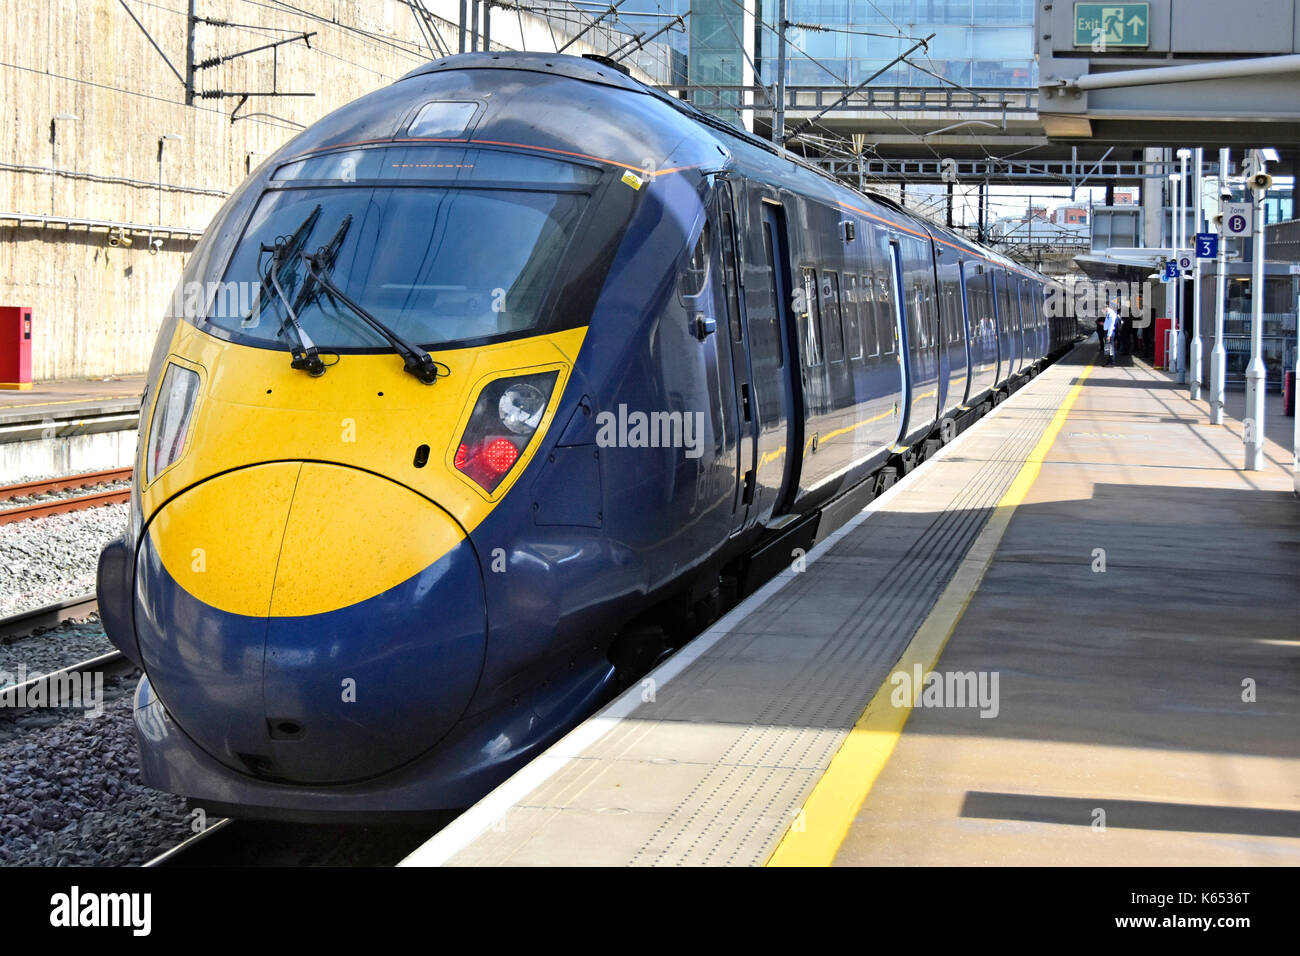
(504,421)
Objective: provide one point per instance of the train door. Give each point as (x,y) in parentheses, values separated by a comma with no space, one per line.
(952,332)
(1028,331)
(732,371)
(920,317)
(945,321)
(900,333)
(982,345)
(732,294)
(989,310)
(1008,323)
(779,460)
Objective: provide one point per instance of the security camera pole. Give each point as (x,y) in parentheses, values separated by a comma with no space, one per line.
(1253,426)
(1180,232)
(1170,286)
(1194,364)
(1219,357)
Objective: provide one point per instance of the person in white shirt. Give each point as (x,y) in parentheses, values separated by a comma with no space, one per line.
(1109,326)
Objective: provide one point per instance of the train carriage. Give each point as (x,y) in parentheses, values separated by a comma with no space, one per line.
(541,369)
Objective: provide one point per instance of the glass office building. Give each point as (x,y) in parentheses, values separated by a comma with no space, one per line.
(977,43)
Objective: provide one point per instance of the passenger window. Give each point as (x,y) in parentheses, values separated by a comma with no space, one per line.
(852,309)
(695,272)
(956,318)
(809,334)
(867,306)
(729,276)
(918,323)
(886,321)
(830,309)
(777,313)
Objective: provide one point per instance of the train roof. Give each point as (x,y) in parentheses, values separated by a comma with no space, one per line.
(697,138)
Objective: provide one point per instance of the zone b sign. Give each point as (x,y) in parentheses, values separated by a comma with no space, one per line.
(1237,218)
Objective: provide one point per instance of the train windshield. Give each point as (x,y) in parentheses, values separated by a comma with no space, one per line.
(436,265)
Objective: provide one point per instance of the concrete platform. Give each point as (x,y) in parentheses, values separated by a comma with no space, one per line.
(60,401)
(778,735)
(66,427)
(1121,691)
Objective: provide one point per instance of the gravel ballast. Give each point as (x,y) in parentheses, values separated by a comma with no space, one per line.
(53,648)
(44,560)
(70,792)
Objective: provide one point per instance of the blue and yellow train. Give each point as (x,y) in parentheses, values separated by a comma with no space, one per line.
(484,391)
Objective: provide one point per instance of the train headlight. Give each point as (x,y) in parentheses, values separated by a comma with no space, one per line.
(521,407)
(504,421)
(171,419)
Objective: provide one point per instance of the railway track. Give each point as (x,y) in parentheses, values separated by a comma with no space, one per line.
(51,688)
(63,687)
(41,509)
(66,610)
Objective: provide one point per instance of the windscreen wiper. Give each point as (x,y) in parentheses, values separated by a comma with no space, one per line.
(302,351)
(327,255)
(303,354)
(417,361)
(291,246)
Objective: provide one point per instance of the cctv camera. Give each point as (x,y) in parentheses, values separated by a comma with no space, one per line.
(154,246)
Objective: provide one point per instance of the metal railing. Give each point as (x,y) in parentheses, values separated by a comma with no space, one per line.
(878,98)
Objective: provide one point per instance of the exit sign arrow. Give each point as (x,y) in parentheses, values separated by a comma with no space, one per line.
(1100,26)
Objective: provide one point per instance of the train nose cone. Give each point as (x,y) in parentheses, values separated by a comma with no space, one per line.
(308,622)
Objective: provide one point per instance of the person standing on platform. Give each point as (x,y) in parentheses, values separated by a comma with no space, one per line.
(1108,328)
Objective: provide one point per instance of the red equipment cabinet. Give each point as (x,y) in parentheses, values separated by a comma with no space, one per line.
(15,346)
(1163,324)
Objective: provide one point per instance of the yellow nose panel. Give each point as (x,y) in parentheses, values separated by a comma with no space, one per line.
(352,535)
(297,538)
(221,539)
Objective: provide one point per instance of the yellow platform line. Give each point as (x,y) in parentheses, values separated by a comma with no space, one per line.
(815,836)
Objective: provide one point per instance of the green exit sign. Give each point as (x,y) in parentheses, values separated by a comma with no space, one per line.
(1104,25)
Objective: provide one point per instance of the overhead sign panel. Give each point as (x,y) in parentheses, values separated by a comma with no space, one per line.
(1100,26)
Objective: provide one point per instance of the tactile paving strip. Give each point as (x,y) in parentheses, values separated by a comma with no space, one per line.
(715,767)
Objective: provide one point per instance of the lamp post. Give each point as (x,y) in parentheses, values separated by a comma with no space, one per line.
(1180,344)
(1194,363)
(1171,287)
(1219,356)
(1253,426)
